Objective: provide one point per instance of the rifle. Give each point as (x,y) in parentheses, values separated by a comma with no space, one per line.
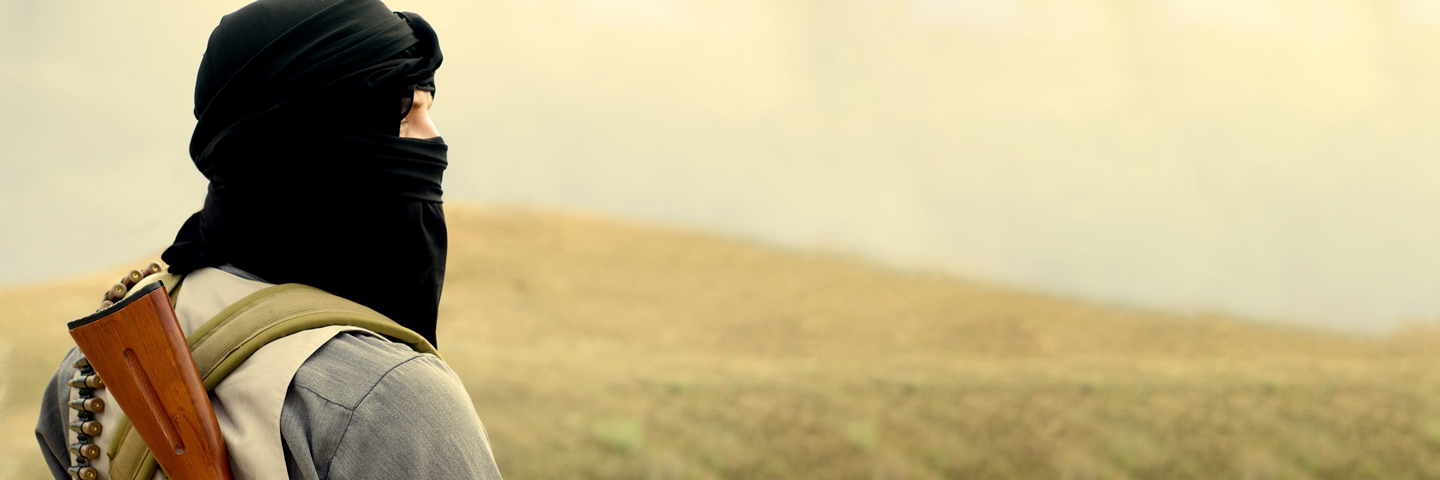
(138,350)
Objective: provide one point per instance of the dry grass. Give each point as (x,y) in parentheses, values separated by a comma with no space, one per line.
(595,349)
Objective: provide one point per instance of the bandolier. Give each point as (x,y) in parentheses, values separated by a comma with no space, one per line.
(85,384)
(219,346)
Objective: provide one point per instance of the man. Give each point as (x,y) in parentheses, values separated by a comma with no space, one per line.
(324,169)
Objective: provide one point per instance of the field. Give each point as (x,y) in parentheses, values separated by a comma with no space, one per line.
(602,349)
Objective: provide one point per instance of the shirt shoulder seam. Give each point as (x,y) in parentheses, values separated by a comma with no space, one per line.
(325,398)
(351,421)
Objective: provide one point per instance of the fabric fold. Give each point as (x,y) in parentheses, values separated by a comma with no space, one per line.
(298,106)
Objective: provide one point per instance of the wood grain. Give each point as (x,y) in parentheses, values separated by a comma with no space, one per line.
(137,348)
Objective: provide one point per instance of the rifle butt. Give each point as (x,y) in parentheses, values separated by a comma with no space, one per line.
(137,348)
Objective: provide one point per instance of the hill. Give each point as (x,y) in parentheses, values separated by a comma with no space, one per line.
(601,349)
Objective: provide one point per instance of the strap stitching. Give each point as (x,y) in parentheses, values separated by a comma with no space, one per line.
(254,332)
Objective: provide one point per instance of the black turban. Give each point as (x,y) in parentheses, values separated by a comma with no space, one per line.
(299,105)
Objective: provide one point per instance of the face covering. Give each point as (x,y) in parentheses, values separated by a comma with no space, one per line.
(309,181)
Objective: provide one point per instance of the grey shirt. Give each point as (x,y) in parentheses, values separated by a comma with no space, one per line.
(361,407)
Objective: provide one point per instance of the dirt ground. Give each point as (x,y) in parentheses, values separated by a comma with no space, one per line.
(595,348)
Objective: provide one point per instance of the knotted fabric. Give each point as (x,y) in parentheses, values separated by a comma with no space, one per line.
(299,105)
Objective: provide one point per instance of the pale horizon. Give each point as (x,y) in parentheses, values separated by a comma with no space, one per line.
(1268,159)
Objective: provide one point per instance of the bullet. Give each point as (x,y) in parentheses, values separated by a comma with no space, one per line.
(88,405)
(91,428)
(88,381)
(87,450)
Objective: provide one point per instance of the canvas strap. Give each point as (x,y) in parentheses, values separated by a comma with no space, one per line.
(227,340)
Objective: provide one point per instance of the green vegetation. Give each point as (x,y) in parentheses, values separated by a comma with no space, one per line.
(603,350)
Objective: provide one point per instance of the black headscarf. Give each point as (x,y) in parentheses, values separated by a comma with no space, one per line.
(299,105)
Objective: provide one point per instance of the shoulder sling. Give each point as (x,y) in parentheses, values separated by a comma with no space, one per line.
(227,340)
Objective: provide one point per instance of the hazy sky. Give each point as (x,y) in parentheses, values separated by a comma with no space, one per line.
(1273,158)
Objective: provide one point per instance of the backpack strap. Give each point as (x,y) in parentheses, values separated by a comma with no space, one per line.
(237,332)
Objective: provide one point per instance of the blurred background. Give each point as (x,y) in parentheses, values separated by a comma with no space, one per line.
(1271,158)
(1176,160)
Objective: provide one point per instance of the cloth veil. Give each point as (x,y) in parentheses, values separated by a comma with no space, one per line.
(299,104)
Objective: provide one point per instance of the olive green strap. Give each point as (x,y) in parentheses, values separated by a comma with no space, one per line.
(227,340)
(131,459)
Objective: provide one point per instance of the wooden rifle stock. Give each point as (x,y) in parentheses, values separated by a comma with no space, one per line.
(137,348)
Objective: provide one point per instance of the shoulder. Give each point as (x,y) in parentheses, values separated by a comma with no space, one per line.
(362,403)
(348,368)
